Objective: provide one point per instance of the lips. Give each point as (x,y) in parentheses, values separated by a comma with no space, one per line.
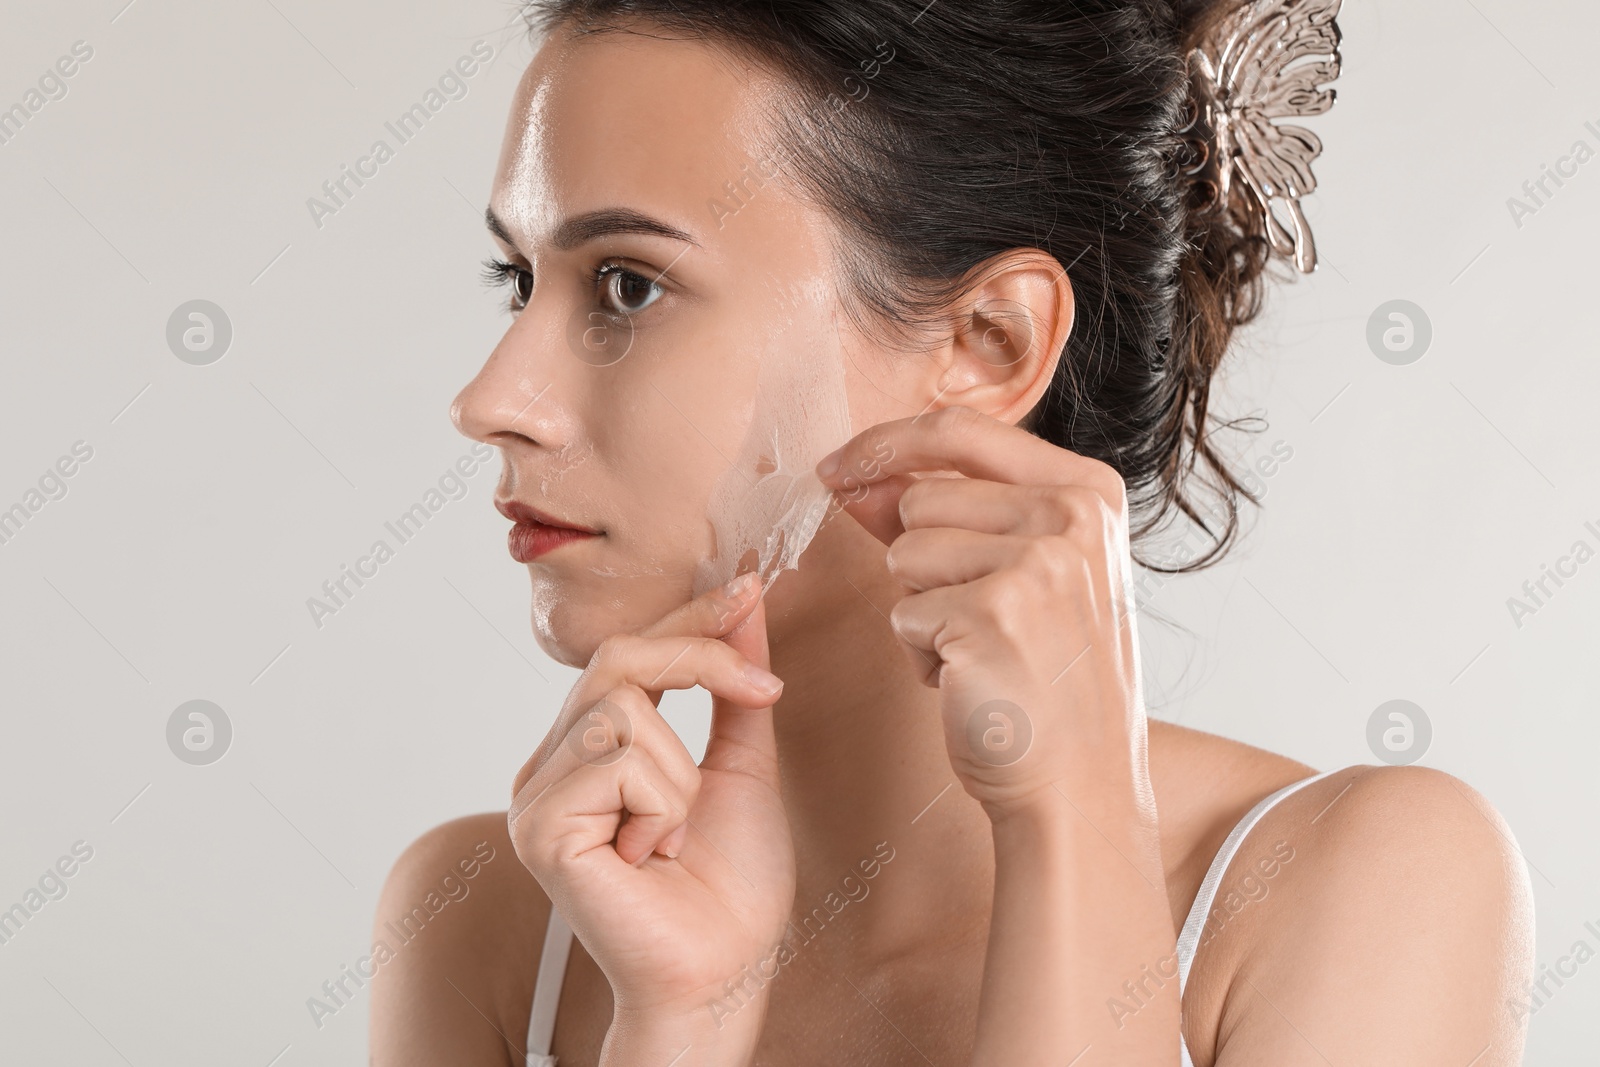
(536,533)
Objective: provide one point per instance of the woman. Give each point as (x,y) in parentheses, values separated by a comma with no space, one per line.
(1020,234)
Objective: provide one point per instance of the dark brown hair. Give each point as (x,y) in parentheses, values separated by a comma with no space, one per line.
(941,135)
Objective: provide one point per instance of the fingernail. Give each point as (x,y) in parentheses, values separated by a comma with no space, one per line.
(765,681)
(739,585)
(828,466)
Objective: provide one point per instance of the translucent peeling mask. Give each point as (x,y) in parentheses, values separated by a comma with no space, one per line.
(768,505)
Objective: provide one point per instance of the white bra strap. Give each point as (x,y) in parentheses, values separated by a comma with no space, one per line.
(547,990)
(1189,938)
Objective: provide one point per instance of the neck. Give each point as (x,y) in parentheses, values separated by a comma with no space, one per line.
(863,757)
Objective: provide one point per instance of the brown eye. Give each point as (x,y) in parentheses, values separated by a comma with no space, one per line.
(624,292)
(497,273)
(521,287)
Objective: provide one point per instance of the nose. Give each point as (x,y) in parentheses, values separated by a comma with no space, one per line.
(511,394)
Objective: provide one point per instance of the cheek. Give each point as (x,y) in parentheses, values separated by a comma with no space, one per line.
(665,444)
(888,377)
(667,426)
(767,502)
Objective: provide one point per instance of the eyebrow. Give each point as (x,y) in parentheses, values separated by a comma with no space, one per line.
(586,227)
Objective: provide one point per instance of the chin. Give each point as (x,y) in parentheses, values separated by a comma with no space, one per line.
(569,625)
(562,649)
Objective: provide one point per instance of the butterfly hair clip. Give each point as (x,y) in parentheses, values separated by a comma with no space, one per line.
(1247,74)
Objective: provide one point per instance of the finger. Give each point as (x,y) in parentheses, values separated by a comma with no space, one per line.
(889,508)
(925,664)
(928,559)
(655,664)
(673,844)
(601,732)
(918,623)
(999,507)
(966,441)
(655,810)
(742,738)
(712,613)
(988,618)
(627,808)
(876,506)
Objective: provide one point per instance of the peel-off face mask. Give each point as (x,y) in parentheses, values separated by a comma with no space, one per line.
(767,506)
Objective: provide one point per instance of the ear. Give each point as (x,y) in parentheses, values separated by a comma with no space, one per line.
(1007,333)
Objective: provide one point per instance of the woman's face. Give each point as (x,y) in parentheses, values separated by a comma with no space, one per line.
(655,268)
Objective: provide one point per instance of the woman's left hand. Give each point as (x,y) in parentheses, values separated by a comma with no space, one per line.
(1019,592)
(1019,604)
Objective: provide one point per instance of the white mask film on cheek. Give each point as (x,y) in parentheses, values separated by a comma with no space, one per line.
(770,502)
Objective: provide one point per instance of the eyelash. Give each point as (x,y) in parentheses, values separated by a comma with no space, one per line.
(498,273)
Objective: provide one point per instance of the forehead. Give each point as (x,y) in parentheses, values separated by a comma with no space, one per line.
(624,119)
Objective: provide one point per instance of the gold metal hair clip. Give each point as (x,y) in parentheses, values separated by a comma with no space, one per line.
(1250,76)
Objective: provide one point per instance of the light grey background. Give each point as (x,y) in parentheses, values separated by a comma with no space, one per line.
(1418,498)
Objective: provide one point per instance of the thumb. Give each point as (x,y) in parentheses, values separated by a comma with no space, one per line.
(742,737)
(749,638)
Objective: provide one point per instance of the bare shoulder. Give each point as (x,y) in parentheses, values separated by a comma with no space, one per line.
(1381,913)
(456,943)
(1204,784)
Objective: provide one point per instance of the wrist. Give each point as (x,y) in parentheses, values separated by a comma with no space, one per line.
(1072,819)
(1080,902)
(715,1034)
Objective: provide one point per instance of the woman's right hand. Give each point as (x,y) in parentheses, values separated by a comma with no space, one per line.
(675,877)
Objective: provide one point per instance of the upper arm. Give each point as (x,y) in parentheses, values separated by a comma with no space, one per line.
(1402,932)
(456,942)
